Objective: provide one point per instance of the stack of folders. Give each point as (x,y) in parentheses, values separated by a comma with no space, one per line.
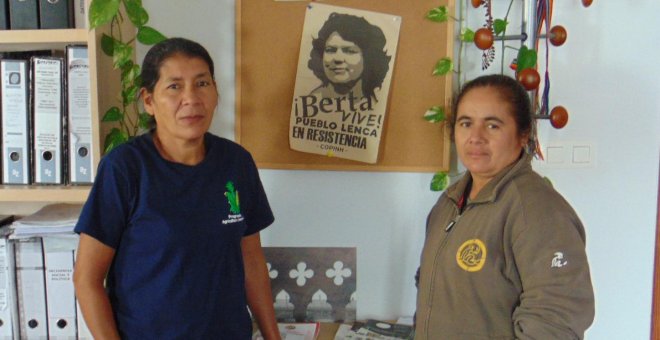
(43,250)
(54,219)
(46,117)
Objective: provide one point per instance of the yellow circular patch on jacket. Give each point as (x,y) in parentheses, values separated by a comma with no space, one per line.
(471,255)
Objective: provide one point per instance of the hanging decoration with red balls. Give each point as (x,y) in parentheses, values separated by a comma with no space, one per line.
(536,17)
(539,29)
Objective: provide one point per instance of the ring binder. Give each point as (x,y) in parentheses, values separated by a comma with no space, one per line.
(23,14)
(15,121)
(31,288)
(8,303)
(60,298)
(55,14)
(48,111)
(80,162)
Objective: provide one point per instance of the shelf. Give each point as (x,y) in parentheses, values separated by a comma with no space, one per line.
(21,40)
(27,198)
(37,193)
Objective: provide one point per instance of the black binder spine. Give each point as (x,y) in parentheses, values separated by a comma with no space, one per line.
(55,14)
(4,15)
(23,14)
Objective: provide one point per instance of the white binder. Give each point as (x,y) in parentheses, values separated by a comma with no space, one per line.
(83,331)
(79,14)
(31,288)
(14,86)
(60,298)
(79,106)
(48,111)
(8,304)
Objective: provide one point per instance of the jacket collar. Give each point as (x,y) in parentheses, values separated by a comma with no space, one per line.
(495,185)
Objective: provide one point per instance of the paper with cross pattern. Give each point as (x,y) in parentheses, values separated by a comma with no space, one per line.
(313,283)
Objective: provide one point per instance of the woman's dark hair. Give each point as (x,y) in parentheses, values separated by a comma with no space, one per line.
(368,37)
(165,49)
(513,93)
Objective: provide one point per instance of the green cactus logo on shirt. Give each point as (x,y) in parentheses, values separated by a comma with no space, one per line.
(232,198)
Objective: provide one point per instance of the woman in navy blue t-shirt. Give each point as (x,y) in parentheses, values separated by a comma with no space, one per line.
(172,222)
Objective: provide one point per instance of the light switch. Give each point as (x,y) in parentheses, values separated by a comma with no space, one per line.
(555,154)
(581,154)
(568,155)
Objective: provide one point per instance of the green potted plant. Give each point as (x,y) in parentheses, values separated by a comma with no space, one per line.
(127,114)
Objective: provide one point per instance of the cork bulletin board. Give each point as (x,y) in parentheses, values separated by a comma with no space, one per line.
(268,35)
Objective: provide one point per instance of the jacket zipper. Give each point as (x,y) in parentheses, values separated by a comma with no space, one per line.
(452,223)
(448,229)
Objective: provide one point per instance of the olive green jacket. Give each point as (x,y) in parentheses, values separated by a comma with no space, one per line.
(512,265)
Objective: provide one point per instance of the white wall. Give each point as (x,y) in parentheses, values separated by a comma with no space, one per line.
(606,75)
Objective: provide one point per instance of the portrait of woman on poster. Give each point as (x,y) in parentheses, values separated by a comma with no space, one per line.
(349,56)
(504,255)
(167,249)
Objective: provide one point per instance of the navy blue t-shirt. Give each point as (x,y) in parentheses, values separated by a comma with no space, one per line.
(177,229)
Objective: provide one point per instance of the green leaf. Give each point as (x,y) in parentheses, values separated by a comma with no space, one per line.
(121,55)
(127,68)
(499,26)
(113,114)
(114,138)
(136,13)
(149,36)
(129,74)
(435,114)
(107,44)
(138,81)
(526,58)
(443,66)
(101,12)
(144,120)
(467,35)
(130,94)
(440,181)
(438,14)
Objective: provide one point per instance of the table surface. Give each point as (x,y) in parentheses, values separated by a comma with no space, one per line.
(328,331)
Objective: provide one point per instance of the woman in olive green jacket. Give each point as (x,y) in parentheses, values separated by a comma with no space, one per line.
(504,254)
